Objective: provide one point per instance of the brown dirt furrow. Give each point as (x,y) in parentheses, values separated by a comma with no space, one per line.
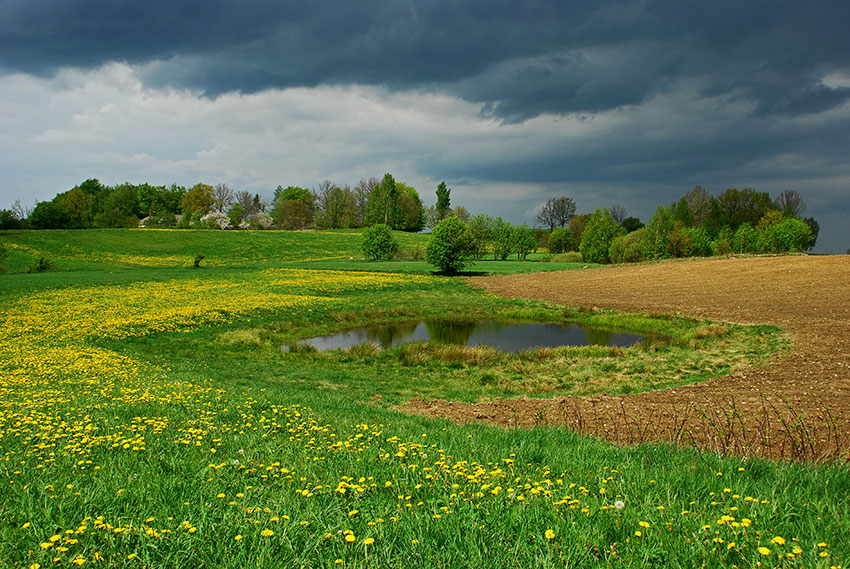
(796,406)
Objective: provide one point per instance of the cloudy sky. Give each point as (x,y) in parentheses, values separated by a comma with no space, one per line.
(628,103)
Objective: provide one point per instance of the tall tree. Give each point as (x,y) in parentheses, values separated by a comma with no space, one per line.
(199,199)
(700,205)
(382,206)
(743,206)
(618,213)
(224,197)
(790,203)
(362,191)
(556,212)
(443,206)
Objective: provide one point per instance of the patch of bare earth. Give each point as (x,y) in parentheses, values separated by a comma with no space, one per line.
(796,406)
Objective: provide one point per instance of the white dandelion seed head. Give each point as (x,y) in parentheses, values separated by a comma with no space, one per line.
(619,504)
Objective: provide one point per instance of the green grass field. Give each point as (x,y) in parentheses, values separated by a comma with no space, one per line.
(149,418)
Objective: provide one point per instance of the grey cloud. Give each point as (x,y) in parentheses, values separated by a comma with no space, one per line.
(517,59)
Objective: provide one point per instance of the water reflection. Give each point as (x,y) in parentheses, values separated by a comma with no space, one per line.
(500,334)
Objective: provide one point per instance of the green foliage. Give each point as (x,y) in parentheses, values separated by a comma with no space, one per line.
(381,206)
(199,199)
(628,248)
(561,240)
(451,246)
(632,224)
(338,209)
(501,236)
(722,244)
(737,207)
(235,214)
(49,215)
(596,240)
(443,206)
(480,231)
(655,240)
(524,242)
(577,225)
(747,239)
(698,242)
(3,254)
(42,265)
(378,242)
(788,235)
(410,212)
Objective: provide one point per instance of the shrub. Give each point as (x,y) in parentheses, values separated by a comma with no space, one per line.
(722,245)
(747,239)
(561,240)
(42,265)
(627,248)
(788,235)
(216,220)
(601,229)
(699,242)
(451,246)
(378,242)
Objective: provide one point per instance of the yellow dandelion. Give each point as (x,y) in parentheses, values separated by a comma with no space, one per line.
(267,533)
(237,538)
(778,541)
(35,566)
(550,534)
(643,524)
(350,538)
(368,541)
(764,551)
(638,533)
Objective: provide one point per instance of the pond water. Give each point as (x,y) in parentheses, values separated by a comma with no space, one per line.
(503,335)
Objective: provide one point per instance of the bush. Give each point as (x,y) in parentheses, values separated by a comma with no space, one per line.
(601,229)
(788,235)
(451,246)
(42,265)
(216,220)
(628,248)
(378,242)
(699,242)
(569,257)
(747,239)
(561,240)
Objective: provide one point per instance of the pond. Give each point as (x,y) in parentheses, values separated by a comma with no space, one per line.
(503,335)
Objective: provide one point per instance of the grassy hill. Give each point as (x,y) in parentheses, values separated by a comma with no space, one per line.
(149,418)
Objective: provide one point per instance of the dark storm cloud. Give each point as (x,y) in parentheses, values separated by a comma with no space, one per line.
(517,59)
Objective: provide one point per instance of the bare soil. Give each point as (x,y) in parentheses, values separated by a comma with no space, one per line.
(796,406)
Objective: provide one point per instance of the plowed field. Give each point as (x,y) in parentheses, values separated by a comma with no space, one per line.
(796,406)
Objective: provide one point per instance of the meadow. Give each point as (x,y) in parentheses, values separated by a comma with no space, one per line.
(149,418)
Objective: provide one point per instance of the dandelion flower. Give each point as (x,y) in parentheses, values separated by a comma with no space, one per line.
(777,541)
(237,538)
(550,534)
(643,524)
(350,537)
(619,504)
(764,551)
(267,533)
(368,541)
(638,533)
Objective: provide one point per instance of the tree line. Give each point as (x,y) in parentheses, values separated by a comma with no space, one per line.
(699,224)
(327,206)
